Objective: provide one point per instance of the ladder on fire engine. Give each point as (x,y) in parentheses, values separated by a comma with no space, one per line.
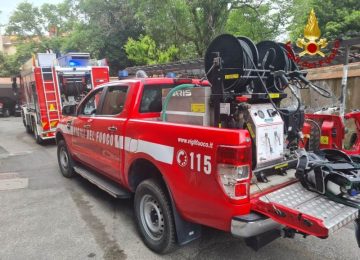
(51,97)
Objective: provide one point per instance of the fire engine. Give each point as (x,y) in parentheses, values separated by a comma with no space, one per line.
(220,152)
(48,84)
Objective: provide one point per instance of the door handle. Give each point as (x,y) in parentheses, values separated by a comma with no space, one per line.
(87,126)
(112,128)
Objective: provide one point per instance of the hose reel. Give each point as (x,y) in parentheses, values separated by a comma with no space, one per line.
(237,56)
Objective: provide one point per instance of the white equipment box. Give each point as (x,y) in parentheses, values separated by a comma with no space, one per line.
(268,133)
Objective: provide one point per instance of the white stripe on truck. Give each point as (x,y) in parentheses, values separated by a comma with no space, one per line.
(160,152)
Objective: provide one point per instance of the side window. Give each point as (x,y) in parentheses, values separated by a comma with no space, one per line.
(151,100)
(114,100)
(92,103)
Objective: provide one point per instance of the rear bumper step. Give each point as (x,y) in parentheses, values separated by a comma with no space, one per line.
(306,211)
(251,225)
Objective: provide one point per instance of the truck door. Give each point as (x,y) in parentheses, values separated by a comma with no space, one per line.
(82,137)
(98,134)
(108,130)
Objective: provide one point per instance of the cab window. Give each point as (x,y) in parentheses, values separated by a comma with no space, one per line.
(92,103)
(151,100)
(114,100)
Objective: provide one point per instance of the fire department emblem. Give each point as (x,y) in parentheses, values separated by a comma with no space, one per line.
(310,44)
(182,158)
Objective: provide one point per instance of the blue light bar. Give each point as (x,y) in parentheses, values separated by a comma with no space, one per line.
(171,75)
(123,74)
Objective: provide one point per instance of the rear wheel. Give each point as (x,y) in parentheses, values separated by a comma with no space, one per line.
(154,217)
(65,161)
(28,129)
(37,136)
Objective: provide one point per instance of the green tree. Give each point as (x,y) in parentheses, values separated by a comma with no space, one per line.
(31,26)
(191,24)
(99,27)
(26,20)
(145,51)
(262,22)
(103,30)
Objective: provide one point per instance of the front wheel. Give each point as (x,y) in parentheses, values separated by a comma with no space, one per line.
(65,161)
(154,217)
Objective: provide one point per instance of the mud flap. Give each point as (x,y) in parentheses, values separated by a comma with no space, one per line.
(304,211)
(357,231)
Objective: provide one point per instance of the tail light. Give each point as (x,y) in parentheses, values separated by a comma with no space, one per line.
(1,105)
(234,172)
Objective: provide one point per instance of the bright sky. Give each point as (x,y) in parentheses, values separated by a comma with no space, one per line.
(8,6)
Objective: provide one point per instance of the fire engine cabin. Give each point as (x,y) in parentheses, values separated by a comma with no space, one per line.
(48,84)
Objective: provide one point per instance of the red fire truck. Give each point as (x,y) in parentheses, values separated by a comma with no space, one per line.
(214,153)
(48,83)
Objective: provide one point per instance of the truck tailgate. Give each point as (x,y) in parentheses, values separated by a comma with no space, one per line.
(311,213)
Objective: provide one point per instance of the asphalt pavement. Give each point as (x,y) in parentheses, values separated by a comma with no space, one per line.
(45,216)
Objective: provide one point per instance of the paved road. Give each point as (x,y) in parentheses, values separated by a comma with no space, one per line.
(45,216)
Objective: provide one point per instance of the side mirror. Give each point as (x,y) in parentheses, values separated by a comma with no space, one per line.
(69,110)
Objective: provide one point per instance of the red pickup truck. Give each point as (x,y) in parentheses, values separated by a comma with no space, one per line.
(185,175)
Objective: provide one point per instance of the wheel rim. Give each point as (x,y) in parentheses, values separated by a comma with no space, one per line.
(64,159)
(152,218)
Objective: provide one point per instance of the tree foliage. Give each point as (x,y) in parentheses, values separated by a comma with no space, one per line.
(99,27)
(28,20)
(129,32)
(259,22)
(145,51)
(103,30)
(191,24)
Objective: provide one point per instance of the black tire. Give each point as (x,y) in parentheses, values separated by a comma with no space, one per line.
(65,161)
(154,217)
(37,136)
(23,119)
(28,129)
